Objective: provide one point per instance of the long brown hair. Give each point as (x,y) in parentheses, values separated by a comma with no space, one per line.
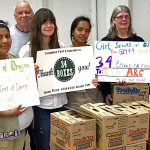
(40,17)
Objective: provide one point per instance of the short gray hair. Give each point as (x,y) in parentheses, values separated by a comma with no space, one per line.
(22,1)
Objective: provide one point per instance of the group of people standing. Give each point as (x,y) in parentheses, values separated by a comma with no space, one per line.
(35,32)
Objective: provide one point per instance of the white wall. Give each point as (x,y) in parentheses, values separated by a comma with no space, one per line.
(139,11)
(7,9)
(141,18)
(105,8)
(66,10)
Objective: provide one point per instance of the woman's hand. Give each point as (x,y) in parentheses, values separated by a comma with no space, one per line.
(13,112)
(95,81)
(36,68)
(121,82)
(109,99)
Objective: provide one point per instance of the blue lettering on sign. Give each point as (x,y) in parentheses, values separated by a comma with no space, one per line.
(103,46)
(127,90)
(123,45)
(10,134)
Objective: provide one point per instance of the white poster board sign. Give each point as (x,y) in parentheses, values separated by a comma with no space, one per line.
(65,69)
(123,61)
(18,83)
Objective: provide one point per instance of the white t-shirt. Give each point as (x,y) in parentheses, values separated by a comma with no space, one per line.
(25,118)
(51,101)
(19,38)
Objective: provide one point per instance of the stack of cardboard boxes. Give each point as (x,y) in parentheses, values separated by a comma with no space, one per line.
(130,93)
(143,105)
(123,126)
(111,126)
(119,127)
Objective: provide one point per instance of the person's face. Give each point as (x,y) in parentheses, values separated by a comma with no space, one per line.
(81,33)
(23,15)
(122,21)
(5,42)
(48,28)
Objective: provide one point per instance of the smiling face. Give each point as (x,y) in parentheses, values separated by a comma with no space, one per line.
(47,28)
(122,21)
(23,16)
(5,42)
(81,33)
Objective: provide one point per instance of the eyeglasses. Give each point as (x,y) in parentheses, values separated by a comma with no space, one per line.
(123,17)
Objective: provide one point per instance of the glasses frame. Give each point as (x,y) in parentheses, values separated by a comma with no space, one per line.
(126,17)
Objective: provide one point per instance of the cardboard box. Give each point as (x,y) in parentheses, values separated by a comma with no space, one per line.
(111,125)
(118,148)
(137,146)
(71,130)
(137,125)
(130,92)
(58,148)
(146,106)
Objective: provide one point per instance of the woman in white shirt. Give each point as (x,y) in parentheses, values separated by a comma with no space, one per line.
(44,36)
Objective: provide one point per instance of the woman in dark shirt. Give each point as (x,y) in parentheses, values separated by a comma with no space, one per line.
(120,30)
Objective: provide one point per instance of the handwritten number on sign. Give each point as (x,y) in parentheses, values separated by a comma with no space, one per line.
(100,61)
(108,60)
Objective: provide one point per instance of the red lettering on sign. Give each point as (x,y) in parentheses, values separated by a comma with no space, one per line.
(135,72)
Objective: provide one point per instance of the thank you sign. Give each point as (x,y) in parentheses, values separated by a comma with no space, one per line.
(65,69)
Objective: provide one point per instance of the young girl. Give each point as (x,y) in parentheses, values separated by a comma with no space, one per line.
(79,33)
(17,116)
(44,36)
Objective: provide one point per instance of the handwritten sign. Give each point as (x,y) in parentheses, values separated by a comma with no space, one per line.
(123,61)
(65,69)
(18,83)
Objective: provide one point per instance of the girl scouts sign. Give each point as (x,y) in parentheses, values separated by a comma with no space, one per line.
(65,69)
(18,83)
(127,61)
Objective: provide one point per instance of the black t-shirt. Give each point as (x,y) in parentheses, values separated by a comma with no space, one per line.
(133,39)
